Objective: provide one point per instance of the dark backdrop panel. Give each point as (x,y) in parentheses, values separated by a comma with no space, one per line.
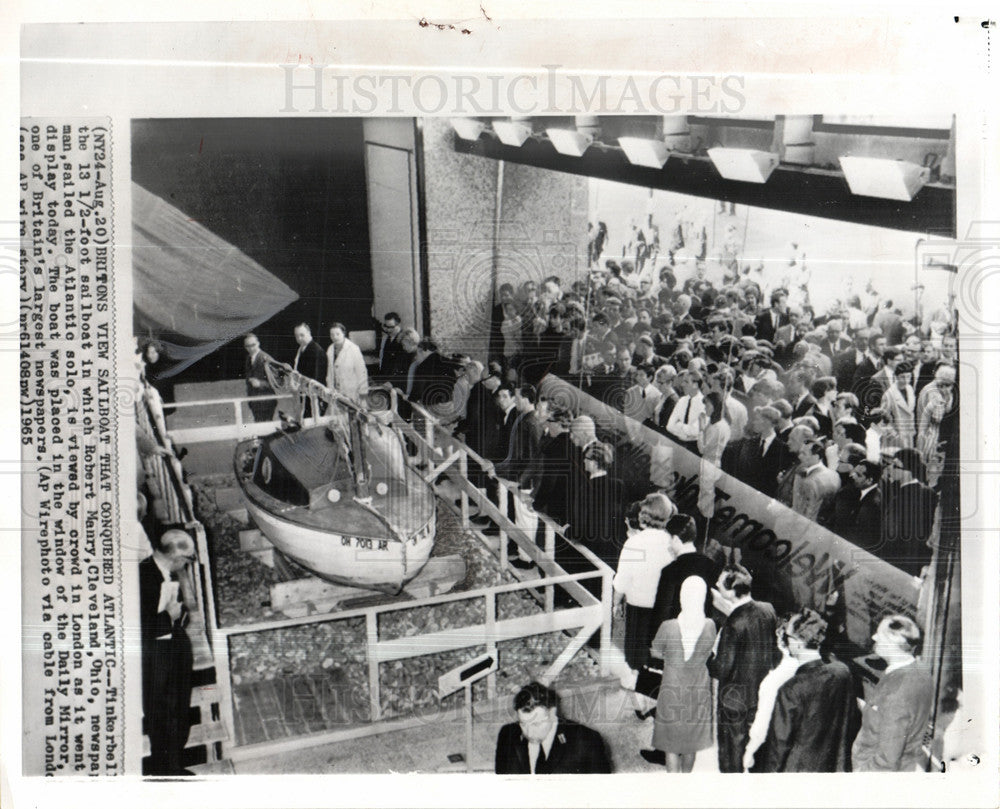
(290,193)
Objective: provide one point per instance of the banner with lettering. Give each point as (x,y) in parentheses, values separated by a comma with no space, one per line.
(796,562)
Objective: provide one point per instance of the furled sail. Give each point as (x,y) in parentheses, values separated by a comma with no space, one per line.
(192,290)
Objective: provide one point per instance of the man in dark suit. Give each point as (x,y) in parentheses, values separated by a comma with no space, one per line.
(525,435)
(834,343)
(495,452)
(756,459)
(815,712)
(166,652)
(768,323)
(746,651)
(543,743)
(863,526)
(799,383)
(847,362)
(923,372)
(664,382)
(390,346)
(256,378)
(604,379)
(543,357)
(479,424)
(689,561)
(870,364)
(310,360)
(907,513)
(429,381)
(499,447)
(554,469)
(505,299)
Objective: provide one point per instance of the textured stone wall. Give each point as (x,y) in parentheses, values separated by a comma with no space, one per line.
(460,197)
(543,231)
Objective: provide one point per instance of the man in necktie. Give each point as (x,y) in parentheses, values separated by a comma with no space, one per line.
(166,652)
(757,458)
(390,347)
(683,425)
(310,360)
(541,742)
(256,379)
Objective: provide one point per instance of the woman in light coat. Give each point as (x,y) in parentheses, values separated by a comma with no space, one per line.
(900,402)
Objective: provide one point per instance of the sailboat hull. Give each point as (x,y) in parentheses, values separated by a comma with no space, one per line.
(369,562)
(299,498)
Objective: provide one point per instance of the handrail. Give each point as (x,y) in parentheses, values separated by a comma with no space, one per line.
(592,612)
(379,609)
(227,401)
(514,489)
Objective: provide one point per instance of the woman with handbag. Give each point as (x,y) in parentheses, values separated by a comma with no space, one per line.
(684,705)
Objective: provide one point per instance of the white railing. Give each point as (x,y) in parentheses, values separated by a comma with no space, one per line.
(593,614)
(238,430)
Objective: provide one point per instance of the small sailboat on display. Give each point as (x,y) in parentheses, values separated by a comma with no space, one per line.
(338,496)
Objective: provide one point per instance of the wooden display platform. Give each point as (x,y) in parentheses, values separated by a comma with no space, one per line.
(300,595)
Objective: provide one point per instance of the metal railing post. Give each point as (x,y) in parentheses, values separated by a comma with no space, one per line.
(491,641)
(503,549)
(463,468)
(374,689)
(607,594)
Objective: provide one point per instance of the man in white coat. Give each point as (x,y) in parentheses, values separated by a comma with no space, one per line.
(346,370)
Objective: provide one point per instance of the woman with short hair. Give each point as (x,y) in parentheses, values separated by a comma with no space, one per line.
(643,556)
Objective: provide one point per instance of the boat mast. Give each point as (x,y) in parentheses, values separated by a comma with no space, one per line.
(306,386)
(358,460)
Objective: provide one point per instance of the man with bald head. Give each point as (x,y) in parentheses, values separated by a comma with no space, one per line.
(834,343)
(166,652)
(898,708)
(310,360)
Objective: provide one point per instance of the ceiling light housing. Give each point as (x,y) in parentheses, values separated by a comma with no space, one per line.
(744,165)
(468,128)
(512,133)
(645,151)
(570,141)
(883,177)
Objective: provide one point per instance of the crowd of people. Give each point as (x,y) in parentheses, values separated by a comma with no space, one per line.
(848,418)
(780,704)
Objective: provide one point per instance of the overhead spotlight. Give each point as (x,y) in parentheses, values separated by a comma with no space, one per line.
(883,177)
(468,128)
(513,132)
(670,134)
(645,152)
(569,141)
(745,165)
(575,142)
